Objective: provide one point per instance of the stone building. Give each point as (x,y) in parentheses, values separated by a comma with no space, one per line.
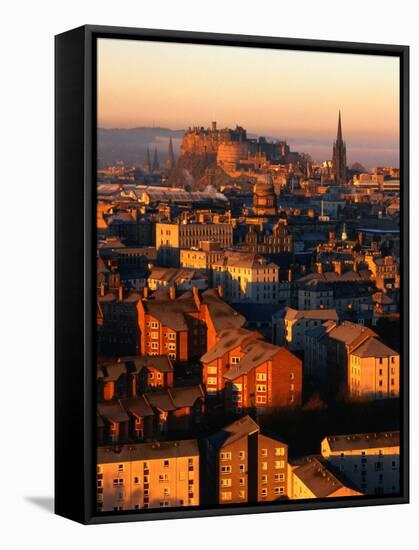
(264,198)
(171,237)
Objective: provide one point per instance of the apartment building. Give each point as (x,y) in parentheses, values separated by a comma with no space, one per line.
(374,371)
(171,237)
(246,372)
(247,277)
(291,325)
(183,327)
(371,461)
(244,466)
(148,475)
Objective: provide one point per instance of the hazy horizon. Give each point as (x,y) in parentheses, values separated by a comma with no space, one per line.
(286,94)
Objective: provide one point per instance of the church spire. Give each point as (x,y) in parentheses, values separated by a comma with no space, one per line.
(156,165)
(148,161)
(339,157)
(339,136)
(170,161)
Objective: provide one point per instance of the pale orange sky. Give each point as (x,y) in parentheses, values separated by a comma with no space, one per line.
(280,93)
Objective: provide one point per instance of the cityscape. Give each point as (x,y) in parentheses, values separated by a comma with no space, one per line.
(248,319)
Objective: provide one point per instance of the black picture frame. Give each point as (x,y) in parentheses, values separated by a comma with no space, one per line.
(75,268)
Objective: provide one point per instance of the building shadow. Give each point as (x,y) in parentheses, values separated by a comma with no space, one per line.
(46,503)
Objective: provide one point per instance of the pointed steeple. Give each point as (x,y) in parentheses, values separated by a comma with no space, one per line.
(156,165)
(339,157)
(148,161)
(339,136)
(170,161)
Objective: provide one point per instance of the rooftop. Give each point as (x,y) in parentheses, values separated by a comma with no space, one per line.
(353,442)
(374,348)
(317,477)
(148,451)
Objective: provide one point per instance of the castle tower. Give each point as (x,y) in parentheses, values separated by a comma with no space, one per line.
(170,161)
(339,157)
(156,164)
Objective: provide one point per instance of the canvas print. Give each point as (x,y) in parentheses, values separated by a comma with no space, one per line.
(248,345)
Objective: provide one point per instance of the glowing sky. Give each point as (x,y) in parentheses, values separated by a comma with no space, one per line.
(282,93)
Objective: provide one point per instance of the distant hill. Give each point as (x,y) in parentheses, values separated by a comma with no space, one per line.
(130,144)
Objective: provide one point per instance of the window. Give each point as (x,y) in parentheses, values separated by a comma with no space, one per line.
(291,387)
(155,335)
(136,480)
(261,387)
(291,376)
(279,490)
(166,491)
(242,481)
(264,492)
(264,479)
(212,370)
(226,469)
(235,360)
(225,482)
(279,451)
(279,464)
(226,495)
(118,482)
(163,477)
(165,463)
(225,456)
(171,336)
(261,399)
(211,381)
(154,345)
(264,452)
(279,477)
(120,467)
(264,466)
(154,324)
(164,504)
(242,467)
(172,347)
(242,455)
(260,377)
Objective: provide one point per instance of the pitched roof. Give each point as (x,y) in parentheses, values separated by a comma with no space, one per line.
(238,429)
(321,314)
(229,339)
(348,332)
(112,411)
(315,475)
(137,406)
(257,352)
(186,396)
(160,400)
(147,451)
(222,315)
(373,348)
